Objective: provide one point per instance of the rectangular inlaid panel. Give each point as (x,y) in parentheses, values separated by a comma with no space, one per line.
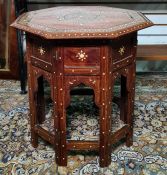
(82,60)
(122,48)
(42,49)
(41,64)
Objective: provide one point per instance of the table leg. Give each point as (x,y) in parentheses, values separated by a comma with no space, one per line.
(32,104)
(105,125)
(61,150)
(130,104)
(105,131)
(40,108)
(123,104)
(106,88)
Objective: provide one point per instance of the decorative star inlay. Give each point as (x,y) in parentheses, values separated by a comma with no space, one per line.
(122,50)
(41,50)
(81,55)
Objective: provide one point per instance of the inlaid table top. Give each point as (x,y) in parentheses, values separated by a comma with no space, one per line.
(81,22)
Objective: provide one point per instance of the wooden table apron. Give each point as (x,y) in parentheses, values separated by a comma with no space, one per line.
(67,63)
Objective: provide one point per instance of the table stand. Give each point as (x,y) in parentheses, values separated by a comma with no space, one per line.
(69,46)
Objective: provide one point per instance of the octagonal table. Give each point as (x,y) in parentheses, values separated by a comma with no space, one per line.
(72,45)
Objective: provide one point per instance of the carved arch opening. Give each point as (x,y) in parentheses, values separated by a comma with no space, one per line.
(82,113)
(119,105)
(44,101)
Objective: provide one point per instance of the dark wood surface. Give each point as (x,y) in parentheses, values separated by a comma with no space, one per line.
(12,71)
(152,52)
(78,22)
(10,44)
(2,34)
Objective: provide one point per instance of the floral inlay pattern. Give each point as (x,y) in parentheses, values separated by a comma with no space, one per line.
(122,50)
(41,50)
(81,55)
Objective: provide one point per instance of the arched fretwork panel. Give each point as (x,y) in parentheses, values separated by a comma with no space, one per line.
(82,114)
(44,100)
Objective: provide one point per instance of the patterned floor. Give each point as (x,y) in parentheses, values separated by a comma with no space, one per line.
(147,156)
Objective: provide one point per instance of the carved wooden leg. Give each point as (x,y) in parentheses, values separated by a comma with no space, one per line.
(56,122)
(105,130)
(33,119)
(32,104)
(61,114)
(123,106)
(130,104)
(105,112)
(40,108)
